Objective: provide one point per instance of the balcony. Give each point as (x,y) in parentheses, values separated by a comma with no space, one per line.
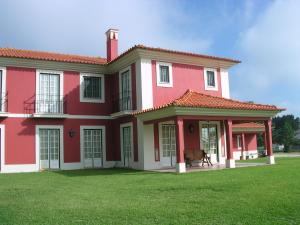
(122,104)
(49,106)
(3,105)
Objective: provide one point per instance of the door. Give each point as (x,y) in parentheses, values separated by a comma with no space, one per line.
(168,143)
(49,148)
(125,101)
(127,146)
(93,148)
(48,100)
(209,141)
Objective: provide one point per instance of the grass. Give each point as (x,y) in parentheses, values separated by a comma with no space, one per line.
(254,195)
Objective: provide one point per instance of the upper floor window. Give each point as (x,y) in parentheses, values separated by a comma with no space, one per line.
(92,88)
(125,90)
(49,92)
(164,74)
(210,79)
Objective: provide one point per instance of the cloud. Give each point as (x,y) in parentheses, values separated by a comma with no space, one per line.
(78,26)
(270,53)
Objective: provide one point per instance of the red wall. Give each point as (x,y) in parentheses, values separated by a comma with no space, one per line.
(191,140)
(250,142)
(184,77)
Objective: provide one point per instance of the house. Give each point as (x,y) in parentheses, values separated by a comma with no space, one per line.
(139,109)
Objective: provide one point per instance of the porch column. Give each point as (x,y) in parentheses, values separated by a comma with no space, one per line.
(243,157)
(180,165)
(230,162)
(268,130)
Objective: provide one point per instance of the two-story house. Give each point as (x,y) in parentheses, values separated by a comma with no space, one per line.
(140,109)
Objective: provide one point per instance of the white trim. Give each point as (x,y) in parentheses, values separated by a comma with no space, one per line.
(37,144)
(3,82)
(225,83)
(67,116)
(89,100)
(82,128)
(270,160)
(210,88)
(219,137)
(2,150)
(162,84)
(130,124)
(230,163)
(128,68)
(180,167)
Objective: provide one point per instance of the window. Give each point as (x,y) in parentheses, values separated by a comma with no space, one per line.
(239,141)
(168,140)
(125,92)
(49,93)
(210,79)
(92,88)
(164,74)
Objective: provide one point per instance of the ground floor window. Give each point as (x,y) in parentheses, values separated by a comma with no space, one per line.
(209,138)
(239,141)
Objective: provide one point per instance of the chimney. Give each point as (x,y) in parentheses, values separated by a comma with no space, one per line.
(112,44)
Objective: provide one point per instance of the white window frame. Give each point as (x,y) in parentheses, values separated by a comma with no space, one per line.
(82,98)
(130,124)
(82,128)
(239,141)
(37,144)
(61,82)
(210,88)
(158,82)
(3,82)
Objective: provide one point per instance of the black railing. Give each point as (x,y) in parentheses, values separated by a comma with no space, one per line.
(49,104)
(3,102)
(123,102)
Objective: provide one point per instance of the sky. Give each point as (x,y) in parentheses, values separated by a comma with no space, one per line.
(263,34)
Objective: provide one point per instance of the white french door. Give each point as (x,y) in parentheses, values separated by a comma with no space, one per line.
(49,148)
(48,99)
(93,148)
(168,144)
(125,100)
(126,139)
(209,140)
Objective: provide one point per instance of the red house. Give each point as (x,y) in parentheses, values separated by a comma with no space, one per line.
(140,109)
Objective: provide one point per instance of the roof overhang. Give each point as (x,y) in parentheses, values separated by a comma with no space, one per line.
(209,112)
(248,130)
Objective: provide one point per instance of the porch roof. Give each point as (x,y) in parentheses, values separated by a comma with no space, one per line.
(248,127)
(195,103)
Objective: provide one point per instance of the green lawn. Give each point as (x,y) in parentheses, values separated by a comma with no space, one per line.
(254,195)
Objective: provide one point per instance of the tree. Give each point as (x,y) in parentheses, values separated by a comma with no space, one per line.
(284,130)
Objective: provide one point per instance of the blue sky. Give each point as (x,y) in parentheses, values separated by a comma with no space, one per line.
(265,35)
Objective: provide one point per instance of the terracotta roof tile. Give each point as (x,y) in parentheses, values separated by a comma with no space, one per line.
(199,100)
(28,54)
(175,52)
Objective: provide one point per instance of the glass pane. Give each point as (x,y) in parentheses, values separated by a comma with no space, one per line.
(211,78)
(92,87)
(164,74)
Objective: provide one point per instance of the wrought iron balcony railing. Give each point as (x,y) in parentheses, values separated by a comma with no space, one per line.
(122,103)
(49,104)
(3,102)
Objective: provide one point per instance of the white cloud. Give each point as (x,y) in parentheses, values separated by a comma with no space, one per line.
(270,51)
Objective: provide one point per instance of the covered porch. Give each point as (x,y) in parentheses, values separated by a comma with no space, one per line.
(199,122)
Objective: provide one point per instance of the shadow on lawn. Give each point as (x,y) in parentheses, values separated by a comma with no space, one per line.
(101,172)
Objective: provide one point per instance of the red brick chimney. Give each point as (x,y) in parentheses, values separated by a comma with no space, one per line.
(112,44)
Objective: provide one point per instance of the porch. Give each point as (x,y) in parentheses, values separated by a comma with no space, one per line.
(197,122)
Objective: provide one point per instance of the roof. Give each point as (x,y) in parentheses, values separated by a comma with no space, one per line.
(175,52)
(248,125)
(199,100)
(50,56)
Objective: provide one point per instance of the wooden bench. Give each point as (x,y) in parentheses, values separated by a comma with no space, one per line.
(192,155)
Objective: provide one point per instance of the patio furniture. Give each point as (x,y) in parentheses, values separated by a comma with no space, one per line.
(192,155)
